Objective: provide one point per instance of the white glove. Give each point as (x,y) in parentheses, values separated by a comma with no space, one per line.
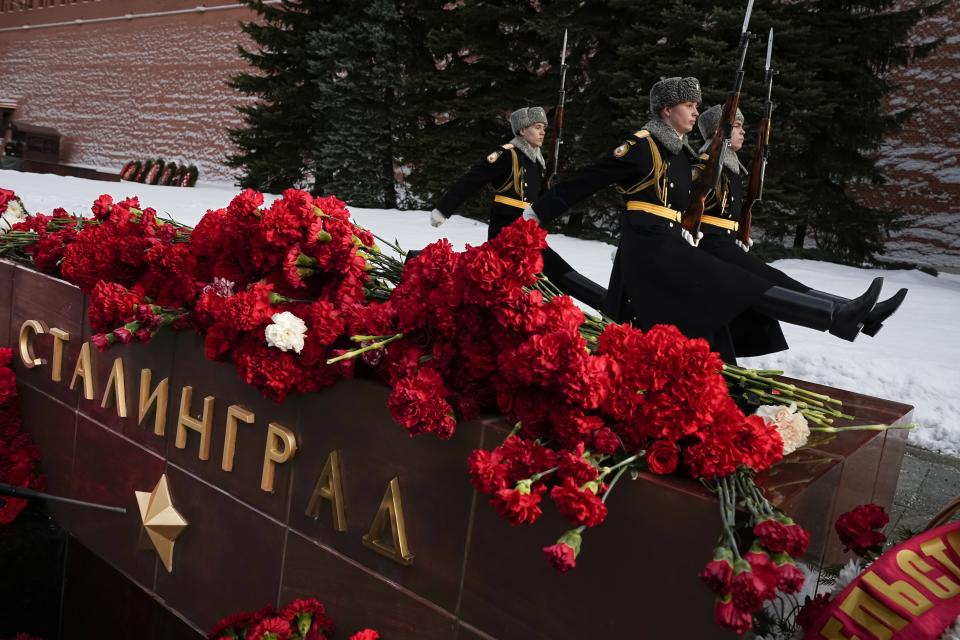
(528,214)
(689,237)
(437,218)
(745,247)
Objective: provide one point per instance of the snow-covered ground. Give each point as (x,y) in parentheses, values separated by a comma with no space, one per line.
(915,358)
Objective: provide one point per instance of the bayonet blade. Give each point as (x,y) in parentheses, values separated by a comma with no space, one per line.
(563,52)
(746,18)
(769,49)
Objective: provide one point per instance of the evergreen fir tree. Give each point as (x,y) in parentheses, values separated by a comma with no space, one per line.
(279,123)
(829,93)
(359,63)
(489,58)
(839,114)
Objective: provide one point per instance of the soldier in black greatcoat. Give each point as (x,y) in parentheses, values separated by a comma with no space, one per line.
(516,171)
(753,333)
(658,274)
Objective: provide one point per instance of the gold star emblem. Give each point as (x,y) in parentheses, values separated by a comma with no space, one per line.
(161,522)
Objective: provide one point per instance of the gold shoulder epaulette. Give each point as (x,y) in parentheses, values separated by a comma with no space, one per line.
(508,146)
(643,133)
(493,156)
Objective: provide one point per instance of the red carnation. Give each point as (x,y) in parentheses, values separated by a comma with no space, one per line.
(487,473)
(580,506)
(798,539)
(790,578)
(761,564)
(417,403)
(727,615)
(812,609)
(747,588)
(718,573)
(562,556)
(573,464)
(271,629)
(773,535)
(307,615)
(606,441)
(662,457)
(520,505)
(859,528)
(232,626)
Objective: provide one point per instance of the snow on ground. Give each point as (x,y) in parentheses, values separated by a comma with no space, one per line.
(915,358)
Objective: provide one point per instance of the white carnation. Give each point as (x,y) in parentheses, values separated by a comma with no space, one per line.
(286,333)
(13,214)
(790,424)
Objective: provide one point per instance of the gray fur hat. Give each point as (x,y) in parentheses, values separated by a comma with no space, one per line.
(709,119)
(671,91)
(523,118)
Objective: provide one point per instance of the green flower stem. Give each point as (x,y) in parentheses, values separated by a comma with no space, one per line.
(535,477)
(613,483)
(864,427)
(765,377)
(728,511)
(622,463)
(369,347)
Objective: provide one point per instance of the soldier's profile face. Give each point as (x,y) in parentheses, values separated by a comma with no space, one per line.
(534,134)
(736,136)
(682,117)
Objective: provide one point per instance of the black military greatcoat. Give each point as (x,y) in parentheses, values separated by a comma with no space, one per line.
(517,181)
(657,276)
(753,333)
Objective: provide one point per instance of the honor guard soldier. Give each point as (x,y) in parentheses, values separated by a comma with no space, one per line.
(753,333)
(658,275)
(516,171)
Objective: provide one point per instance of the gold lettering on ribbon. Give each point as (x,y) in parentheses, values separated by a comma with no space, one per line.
(156,401)
(84,370)
(901,593)
(389,519)
(871,614)
(203,426)
(833,630)
(59,337)
(953,538)
(937,550)
(26,347)
(280,447)
(916,567)
(330,487)
(235,414)
(116,384)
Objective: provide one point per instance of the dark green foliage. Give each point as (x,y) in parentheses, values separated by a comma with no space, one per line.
(386,103)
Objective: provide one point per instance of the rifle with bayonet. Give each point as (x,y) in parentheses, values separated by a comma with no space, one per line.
(709,178)
(558,115)
(758,167)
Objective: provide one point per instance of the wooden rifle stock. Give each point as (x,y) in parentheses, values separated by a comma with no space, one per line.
(709,178)
(755,184)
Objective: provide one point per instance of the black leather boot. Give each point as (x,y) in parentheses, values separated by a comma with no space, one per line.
(880,312)
(840,316)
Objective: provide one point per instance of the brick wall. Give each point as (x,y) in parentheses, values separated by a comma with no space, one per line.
(133,88)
